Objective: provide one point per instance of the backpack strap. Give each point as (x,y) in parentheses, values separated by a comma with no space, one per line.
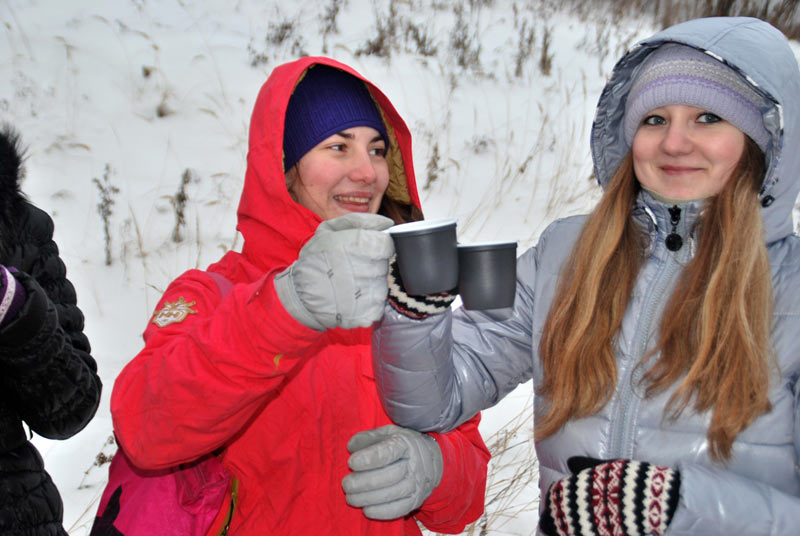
(223,283)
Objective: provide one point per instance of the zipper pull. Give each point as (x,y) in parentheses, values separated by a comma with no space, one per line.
(674,241)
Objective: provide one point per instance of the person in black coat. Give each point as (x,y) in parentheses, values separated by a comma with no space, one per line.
(48,378)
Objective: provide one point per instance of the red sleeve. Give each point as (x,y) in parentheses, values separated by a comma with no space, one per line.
(200,379)
(459,498)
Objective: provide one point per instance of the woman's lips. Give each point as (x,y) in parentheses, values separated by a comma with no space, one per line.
(354,202)
(678,170)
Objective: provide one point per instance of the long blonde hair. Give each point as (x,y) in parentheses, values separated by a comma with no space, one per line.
(715,330)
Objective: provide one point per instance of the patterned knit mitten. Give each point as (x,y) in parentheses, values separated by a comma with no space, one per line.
(416,307)
(611,498)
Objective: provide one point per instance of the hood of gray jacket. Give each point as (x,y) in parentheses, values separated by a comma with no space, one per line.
(762,55)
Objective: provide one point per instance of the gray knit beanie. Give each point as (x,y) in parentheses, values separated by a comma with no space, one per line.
(679,74)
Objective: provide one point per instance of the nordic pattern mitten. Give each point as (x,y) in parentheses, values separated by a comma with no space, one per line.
(416,307)
(613,498)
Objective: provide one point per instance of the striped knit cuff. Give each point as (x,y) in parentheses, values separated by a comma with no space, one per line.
(613,498)
(12,296)
(416,307)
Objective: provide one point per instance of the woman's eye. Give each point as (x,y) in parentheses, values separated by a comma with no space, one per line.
(654,120)
(378,151)
(337,147)
(708,117)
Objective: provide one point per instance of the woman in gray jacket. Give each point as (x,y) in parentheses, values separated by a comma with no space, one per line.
(661,330)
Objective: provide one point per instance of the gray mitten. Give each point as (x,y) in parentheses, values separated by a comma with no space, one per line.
(394,470)
(339,278)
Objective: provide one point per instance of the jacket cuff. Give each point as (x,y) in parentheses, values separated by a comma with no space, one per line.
(274,318)
(441,494)
(459,498)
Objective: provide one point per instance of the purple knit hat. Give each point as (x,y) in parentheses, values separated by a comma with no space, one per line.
(679,74)
(326,101)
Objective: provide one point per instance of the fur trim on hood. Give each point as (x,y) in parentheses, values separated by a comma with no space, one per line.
(11,175)
(11,171)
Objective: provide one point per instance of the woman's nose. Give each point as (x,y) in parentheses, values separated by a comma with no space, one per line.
(363,169)
(677,139)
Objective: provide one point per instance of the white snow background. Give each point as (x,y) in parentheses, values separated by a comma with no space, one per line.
(132,96)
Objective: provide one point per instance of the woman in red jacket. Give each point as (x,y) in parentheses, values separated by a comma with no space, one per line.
(276,375)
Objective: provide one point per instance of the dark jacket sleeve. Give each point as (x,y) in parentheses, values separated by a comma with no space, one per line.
(47,374)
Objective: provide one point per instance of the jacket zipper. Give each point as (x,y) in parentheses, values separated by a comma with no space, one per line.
(628,405)
(226,525)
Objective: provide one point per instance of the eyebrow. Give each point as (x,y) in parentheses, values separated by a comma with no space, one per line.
(349,136)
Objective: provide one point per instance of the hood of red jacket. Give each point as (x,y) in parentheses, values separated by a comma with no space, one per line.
(273,225)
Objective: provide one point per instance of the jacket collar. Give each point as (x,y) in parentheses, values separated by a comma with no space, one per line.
(661,219)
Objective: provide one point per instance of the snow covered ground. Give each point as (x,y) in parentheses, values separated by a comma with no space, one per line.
(132,96)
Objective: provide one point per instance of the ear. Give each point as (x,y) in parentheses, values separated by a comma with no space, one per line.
(292,176)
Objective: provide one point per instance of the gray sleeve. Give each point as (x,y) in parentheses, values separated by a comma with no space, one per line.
(433,374)
(716,502)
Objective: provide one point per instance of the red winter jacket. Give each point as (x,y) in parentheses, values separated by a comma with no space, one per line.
(280,400)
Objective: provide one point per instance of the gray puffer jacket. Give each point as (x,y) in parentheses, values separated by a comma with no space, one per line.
(435,373)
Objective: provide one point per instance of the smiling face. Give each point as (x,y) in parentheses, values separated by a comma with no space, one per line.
(682,152)
(346,172)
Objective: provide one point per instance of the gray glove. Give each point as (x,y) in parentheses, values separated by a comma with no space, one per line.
(339,278)
(394,471)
